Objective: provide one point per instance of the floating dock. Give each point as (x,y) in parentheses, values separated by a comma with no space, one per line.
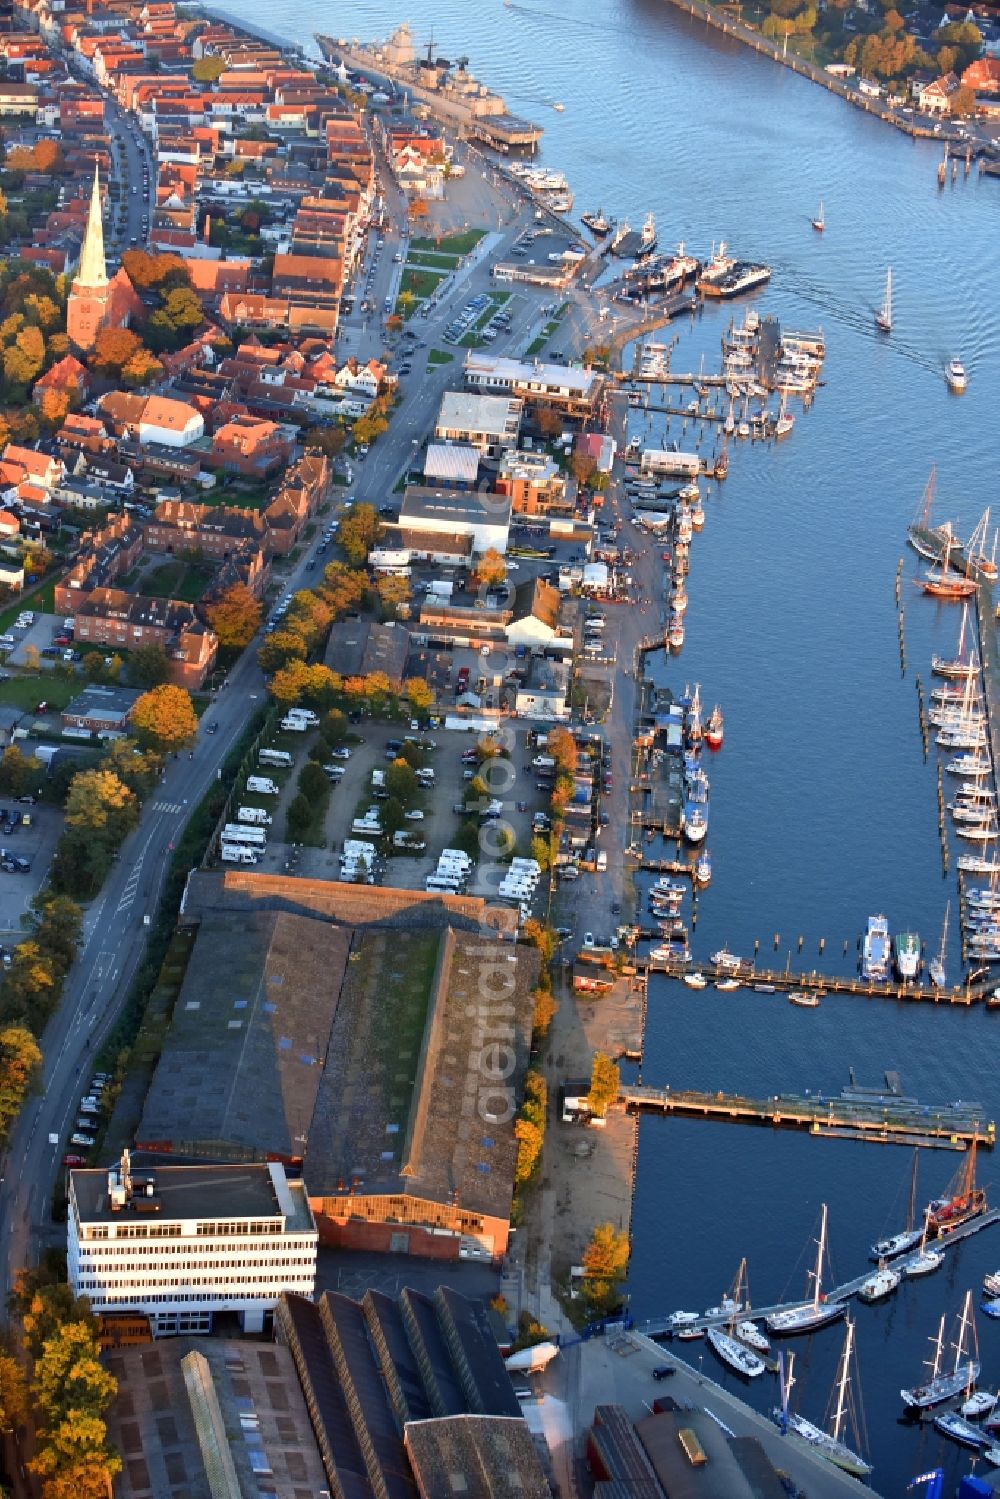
(784,980)
(884,1118)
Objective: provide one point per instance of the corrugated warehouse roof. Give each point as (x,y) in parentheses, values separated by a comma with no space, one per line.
(451,463)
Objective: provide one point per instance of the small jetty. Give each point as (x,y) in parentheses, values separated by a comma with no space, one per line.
(972,992)
(886,1118)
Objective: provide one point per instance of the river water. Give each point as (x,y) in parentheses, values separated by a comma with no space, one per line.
(823,808)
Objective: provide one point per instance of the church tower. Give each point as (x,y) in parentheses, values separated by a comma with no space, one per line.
(89,309)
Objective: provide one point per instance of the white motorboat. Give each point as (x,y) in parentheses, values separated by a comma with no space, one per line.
(749,1333)
(956,376)
(732,1352)
(978,1405)
(880,1285)
(696,980)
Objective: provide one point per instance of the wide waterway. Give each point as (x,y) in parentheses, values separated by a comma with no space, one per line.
(823,810)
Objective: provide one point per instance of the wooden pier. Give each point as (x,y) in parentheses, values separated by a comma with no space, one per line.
(662,1327)
(784,980)
(883,1118)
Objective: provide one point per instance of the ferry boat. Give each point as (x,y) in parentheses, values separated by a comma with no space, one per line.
(962,1202)
(815,1313)
(828,1444)
(875,949)
(725,277)
(715,729)
(956,376)
(906,953)
(945,1385)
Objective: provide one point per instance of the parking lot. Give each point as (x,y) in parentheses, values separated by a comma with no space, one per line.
(39,637)
(34,843)
(511,781)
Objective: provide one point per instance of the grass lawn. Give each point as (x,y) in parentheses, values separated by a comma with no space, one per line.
(421,284)
(450,244)
(537,345)
(426,261)
(252,497)
(186,581)
(28,692)
(439,356)
(469,341)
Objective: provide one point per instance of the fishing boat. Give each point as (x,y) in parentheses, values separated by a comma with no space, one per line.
(696,980)
(703,868)
(880,1285)
(830,1443)
(875,949)
(675,633)
(693,730)
(815,1313)
(952,1425)
(803,1000)
(883,318)
(962,1201)
(715,729)
(906,954)
(945,1384)
(956,377)
(819,222)
(887,1249)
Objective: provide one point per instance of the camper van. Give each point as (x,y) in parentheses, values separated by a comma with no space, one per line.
(256,816)
(261,786)
(274,757)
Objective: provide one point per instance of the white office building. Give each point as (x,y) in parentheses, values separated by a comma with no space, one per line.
(181,1243)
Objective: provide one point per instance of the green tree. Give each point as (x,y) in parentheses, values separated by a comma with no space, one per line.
(148,665)
(313,783)
(164,718)
(401,782)
(183,309)
(139,769)
(55,922)
(605,1081)
(299,817)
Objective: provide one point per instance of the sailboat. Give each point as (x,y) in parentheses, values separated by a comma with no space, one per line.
(961,666)
(828,1443)
(887,1249)
(985,563)
(929,541)
(883,318)
(925,1261)
(962,1201)
(819,222)
(785,421)
(815,1313)
(962,1375)
(935,967)
(728,1345)
(946,583)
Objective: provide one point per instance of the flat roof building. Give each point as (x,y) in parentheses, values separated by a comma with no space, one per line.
(183,1242)
(191,1414)
(484,517)
(561,387)
(489,423)
(447,463)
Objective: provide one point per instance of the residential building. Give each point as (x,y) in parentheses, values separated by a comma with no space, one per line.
(172,424)
(535,616)
(104,557)
(104,711)
(567,389)
(937,96)
(111,617)
(483,517)
(252,446)
(183,1242)
(488,423)
(534,482)
(983,75)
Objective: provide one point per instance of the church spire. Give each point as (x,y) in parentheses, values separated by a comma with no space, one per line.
(92,270)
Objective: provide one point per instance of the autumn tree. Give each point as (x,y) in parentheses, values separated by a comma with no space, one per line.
(148,271)
(562,747)
(113,348)
(70,1392)
(343,587)
(140,770)
(13,1393)
(549,423)
(582,466)
(328,440)
(279,649)
(53,408)
(309,615)
(142,369)
(165,718)
(357,533)
(20,1062)
(19,773)
(100,803)
(418,694)
(491,567)
(401,782)
(182,307)
(963,101)
(392,592)
(207,69)
(235,616)
(605,1262)
(529,1127)
(546,1007)
(605,1081)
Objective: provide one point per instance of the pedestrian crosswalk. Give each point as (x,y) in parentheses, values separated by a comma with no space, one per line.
(168,807)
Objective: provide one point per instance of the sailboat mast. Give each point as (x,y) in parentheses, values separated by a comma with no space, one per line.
(962,1326)
(944,934)
(913,1191)
(938,1350)
(820,1250)
(842,1379)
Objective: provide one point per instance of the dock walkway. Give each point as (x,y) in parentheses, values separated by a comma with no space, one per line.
(660,1327)
(969,993)
(882,1118)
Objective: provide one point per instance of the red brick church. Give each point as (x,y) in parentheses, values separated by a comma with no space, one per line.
(95,302)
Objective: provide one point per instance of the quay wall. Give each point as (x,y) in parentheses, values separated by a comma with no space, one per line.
(762,44)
